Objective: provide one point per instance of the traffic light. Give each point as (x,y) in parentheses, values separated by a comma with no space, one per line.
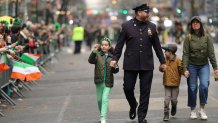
(178,10)
(124,11)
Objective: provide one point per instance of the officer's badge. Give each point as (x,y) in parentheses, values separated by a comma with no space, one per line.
(149,32)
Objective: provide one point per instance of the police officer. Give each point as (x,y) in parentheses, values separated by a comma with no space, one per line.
(140,36)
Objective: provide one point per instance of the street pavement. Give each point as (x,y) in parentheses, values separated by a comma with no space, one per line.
(67,95)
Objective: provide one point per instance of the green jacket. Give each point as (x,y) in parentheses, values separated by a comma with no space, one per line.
(98,58)
(197,51)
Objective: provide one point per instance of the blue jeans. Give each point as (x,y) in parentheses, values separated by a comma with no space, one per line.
(203,73)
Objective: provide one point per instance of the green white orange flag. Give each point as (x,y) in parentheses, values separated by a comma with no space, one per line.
(30,58)
(3,63)
(25,72)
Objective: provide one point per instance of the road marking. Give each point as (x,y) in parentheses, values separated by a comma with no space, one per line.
(119,105)
(63,109)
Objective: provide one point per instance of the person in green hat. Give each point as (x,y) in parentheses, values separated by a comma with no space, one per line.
(17,22)
(104,79)
(15,30)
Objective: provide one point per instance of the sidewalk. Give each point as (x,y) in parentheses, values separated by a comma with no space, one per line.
(67,95)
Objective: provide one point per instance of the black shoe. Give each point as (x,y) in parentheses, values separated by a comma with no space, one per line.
(142,121)
(132,112)
(173,110)
(166,116)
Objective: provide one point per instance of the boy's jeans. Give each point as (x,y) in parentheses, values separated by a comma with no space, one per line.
(203,73)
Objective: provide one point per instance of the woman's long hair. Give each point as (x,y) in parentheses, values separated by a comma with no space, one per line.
(201,30)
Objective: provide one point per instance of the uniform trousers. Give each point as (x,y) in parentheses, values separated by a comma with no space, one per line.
(130,78)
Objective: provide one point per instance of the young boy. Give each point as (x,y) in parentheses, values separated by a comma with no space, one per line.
(171,79)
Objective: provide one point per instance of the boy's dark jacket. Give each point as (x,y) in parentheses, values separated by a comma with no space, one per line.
(98,58)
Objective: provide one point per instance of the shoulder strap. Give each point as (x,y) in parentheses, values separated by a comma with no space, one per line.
(189,37)
(207,36)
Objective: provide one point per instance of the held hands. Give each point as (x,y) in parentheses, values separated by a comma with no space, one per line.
(163,67)
(186,74)
(113,64)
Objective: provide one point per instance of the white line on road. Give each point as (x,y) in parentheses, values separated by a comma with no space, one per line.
(63,109)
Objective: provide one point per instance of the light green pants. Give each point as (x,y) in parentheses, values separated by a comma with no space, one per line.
(103,93)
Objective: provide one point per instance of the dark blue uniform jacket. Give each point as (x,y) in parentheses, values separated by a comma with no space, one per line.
(139,38)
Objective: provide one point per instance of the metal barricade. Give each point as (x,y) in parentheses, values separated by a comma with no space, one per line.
(48,54)
(4,79)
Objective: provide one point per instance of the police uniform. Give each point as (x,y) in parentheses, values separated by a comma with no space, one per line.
(139,38)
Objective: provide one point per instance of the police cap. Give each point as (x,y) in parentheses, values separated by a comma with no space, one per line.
(143,7)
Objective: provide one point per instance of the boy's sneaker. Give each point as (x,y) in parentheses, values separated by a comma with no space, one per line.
(166,116)
(202,115)
(193,115)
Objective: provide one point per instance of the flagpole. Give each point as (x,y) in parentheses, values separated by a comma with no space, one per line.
(18,58)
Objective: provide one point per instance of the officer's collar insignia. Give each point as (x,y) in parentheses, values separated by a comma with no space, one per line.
(149,32)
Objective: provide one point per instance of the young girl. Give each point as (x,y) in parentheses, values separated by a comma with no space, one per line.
(101,56)
(171,79)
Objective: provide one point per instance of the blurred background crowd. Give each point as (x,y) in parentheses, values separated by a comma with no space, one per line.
(100,17)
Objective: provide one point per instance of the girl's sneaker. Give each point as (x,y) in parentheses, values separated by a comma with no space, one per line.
(193,115)
(202,115)
(103,121)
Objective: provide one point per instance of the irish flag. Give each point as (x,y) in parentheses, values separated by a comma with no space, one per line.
(30,58)
(3,63)
(25,72)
